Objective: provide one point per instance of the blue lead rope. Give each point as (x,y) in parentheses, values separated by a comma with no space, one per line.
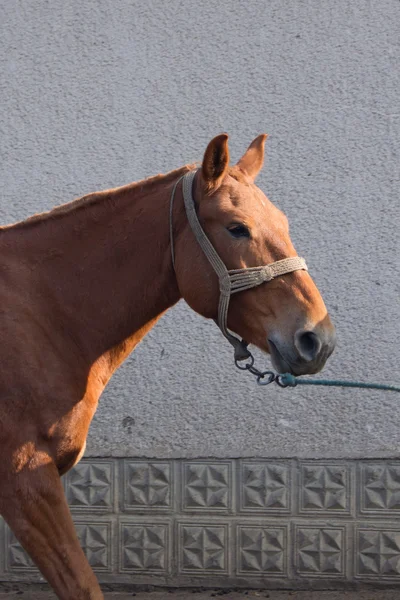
(288,380)
(285,380)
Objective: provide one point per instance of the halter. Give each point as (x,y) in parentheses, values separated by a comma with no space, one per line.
(232,281)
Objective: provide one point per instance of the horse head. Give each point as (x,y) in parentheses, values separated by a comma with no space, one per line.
(285,316)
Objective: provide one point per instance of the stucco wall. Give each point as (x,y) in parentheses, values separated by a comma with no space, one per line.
(97,94)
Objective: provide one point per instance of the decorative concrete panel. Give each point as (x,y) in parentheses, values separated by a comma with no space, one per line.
(320,551)
(265,487)
(144,547)
(96,541)
(325,488)
(207,486)
(380,489)
(378,552)
(147,486)
(90,487)
(243,522)
(203,548)
(262,550)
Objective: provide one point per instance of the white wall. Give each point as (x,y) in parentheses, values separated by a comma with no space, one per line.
(99,93)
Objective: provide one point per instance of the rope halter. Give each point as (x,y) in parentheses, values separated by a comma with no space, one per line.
(230,281)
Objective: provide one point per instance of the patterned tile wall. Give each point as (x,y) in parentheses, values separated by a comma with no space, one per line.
(270,523)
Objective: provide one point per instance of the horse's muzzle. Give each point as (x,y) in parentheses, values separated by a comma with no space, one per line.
(307,354)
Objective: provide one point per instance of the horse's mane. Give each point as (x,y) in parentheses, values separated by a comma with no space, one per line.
(89,200)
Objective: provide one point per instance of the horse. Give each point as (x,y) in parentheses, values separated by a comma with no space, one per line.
(82,284)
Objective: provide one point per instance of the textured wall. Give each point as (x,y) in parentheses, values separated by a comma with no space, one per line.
(97,94)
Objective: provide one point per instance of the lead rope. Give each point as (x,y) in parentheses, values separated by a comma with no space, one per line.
(285,380)
(288,380)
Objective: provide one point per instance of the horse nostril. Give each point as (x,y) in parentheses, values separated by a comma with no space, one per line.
(308,344)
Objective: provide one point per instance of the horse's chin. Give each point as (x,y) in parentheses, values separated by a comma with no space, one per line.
(278,362)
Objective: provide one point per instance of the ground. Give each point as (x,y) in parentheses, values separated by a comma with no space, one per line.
(12,592)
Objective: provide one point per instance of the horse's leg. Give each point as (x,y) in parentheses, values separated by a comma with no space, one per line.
(33,503)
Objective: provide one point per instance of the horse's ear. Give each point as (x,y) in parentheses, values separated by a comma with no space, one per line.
(252,160)
(215,161)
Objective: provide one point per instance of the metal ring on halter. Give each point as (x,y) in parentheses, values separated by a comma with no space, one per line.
(262,379)
(247,365)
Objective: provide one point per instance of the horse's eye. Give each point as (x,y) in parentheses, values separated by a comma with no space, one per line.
(239,231)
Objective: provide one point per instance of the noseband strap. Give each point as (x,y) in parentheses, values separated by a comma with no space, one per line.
(235,280)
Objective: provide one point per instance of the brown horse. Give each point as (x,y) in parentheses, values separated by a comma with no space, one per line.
(80,286)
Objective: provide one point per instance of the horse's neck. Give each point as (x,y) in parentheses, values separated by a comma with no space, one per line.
(108,267)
